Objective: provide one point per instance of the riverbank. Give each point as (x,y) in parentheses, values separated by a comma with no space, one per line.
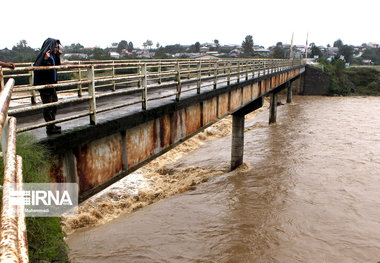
(153,182)
(352,81)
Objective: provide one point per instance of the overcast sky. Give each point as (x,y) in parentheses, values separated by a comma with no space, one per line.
(100,23)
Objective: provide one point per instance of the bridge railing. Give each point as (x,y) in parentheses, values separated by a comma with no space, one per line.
(13,242)
(91,81)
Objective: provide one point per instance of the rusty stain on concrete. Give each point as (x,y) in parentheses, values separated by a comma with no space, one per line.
(246,94)
(56,170)
(223,104)
(140,143)
(235,99)
(161,133)
(256,90)
(178,125)
(209,110)
(98,161)
(193,118)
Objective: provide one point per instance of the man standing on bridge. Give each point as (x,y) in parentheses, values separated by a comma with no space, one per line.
(49,56)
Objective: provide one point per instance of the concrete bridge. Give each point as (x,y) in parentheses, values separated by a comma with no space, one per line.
(139,110)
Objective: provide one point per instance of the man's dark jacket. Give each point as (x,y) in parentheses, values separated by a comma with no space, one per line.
(42,77)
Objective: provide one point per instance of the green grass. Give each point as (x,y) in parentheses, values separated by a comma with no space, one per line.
(45,236)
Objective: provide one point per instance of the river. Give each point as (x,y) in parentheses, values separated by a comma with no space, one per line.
(309,191)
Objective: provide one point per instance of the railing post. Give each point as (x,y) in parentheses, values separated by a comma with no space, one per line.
(178,69)
(80,86)
(139,73)
(199,77)
(159,72)
(91,94)
(253,68)
(188,69)
(238,76)
(32,92)
(113,76)
(145,88)
(1,79)
(229,73)
(259,68)
(215,74)
(246,70)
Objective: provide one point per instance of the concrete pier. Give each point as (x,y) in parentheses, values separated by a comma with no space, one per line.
(273,108)
(237,149)
(289,94)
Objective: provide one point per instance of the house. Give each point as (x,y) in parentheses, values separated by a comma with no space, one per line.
(373,45)
(75,56)
(115,55)
(367,62)
(235,53)
(207,56)
(262,52)
(204,49)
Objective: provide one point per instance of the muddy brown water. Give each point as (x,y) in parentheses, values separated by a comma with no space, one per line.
(309,191)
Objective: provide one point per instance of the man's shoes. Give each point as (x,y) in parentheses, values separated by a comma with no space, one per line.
(53,130)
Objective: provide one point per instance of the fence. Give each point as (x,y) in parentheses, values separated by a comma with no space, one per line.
(90,81)
(13,242)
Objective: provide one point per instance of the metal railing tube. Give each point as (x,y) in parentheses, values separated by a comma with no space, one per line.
(5,98)
(9,229)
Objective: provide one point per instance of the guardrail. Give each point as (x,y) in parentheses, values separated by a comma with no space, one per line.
(13,242)
(88,81)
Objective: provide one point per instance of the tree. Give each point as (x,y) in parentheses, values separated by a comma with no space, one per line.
(247,46)
(22,44)
(217,45)
(122,45)
(338,43)
(130,46)
(22,52)
(74,48)
(347,52)
(160,53)
(372,54)
(172,49)
(197,47)
(278,51)
(101,54)
(316,51)
(148,43)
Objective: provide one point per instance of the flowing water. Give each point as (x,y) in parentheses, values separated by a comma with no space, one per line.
(309,191)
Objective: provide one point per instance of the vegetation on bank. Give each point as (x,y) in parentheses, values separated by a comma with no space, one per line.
(352,80)
(45,236)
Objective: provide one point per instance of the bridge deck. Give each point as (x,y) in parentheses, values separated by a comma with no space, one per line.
(153,92)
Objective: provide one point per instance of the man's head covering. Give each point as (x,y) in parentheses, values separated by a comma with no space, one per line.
(49,44)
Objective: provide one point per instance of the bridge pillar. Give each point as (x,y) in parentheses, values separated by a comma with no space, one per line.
(290,95)
(237,149)
(273,108)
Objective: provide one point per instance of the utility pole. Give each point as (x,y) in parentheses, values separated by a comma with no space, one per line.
(291,47)
(307,43)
